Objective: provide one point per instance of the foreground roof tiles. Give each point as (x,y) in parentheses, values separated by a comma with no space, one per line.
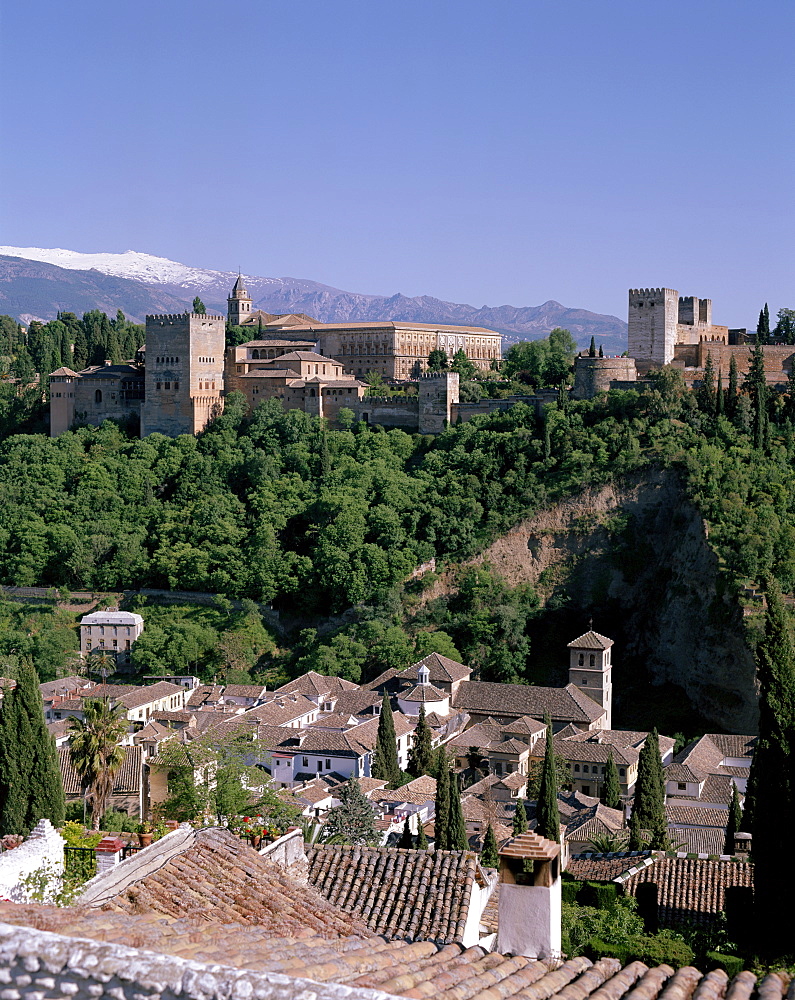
(240,960)
(416,895)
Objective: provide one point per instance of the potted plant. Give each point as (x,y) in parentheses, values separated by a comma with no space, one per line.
(254,828)
(11,840)
(145,833)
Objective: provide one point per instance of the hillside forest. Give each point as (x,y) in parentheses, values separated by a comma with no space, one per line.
(327,526)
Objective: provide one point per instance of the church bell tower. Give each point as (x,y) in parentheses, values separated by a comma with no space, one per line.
(238,304)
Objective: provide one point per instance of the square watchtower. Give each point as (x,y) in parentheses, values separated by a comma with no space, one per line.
(184,373)
(591,669)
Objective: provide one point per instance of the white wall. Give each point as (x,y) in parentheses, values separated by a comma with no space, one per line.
(42,849)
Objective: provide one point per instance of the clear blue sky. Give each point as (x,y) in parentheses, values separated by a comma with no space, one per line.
(499,151)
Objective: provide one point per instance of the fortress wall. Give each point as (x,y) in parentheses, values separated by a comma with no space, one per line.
(593,375)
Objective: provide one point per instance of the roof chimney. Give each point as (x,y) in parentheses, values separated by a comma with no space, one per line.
(530,904)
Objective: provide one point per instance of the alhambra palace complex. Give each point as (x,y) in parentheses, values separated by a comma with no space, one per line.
(177,382)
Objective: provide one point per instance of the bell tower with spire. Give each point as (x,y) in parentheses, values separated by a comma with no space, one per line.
(238,304)
(590,670)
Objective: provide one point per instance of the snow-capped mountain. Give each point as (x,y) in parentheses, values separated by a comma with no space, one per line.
(39,282)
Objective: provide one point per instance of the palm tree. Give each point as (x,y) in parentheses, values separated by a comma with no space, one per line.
(96,753)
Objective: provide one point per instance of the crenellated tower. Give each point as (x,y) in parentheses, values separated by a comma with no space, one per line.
(184,373)
(652,322)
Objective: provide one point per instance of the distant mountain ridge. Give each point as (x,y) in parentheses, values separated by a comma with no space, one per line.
(37,283)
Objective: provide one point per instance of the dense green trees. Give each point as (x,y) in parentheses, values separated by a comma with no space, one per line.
(544,362)
(96,752)
(648,807)
(30,778)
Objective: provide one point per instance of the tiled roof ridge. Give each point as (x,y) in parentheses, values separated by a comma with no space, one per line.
(591,640)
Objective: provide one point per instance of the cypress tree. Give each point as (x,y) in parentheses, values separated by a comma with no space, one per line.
(489,856)
(385,759)
(30,777)
(601,352)
(519,818)
(421,753)
(457,830)
(706,394)
(592,349)
(734,821)
(422,839)
(720,401)
(611,788)
(772,775)
(648,809)
(441,820)
(406,837)
(731,399)
(547,814)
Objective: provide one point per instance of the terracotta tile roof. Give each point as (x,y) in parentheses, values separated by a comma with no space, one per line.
(244,690)
(605,867)
(204,694)
(706,840)
(733,746)
(524,726)
(717,788)
(356,702)
(126,780)
(442,668)
(481,735)
(51,688)
(696,815)
(183,717)
(414,895)
(367,732)
(245,960)
(153,692)
(566,704)
(419,790)
(56,729)
(591,640)
(281,711)
(597,820)
(623,739)
(313,684)
(371,785)
(424,693)
(219,878)
(333,720)
(691,889)
(153,731)
(511,746)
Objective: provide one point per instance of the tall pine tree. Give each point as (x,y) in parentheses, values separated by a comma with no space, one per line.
(731,393)
(592,349)
(385,760)
(547,813)
(421,756)
(30,777)
(706,393)
(353,820)
(773,776)
(611,787)
(648,808)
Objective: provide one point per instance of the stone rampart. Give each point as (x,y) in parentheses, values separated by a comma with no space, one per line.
(593,375)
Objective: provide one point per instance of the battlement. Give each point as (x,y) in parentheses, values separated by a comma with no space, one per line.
(639,293)
(170,318)
(427,375)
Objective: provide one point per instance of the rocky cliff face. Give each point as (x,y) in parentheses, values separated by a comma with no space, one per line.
(641,547)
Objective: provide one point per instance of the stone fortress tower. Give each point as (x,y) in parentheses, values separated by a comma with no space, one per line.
(660,320)
(184,373)
(591,668)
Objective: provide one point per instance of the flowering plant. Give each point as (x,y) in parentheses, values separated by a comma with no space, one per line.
(256,826)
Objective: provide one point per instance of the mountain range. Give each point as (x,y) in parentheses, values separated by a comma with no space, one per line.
(37,283)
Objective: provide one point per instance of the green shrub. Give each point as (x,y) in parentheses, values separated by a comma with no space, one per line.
(731,964)
(652,949)
(570,890)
